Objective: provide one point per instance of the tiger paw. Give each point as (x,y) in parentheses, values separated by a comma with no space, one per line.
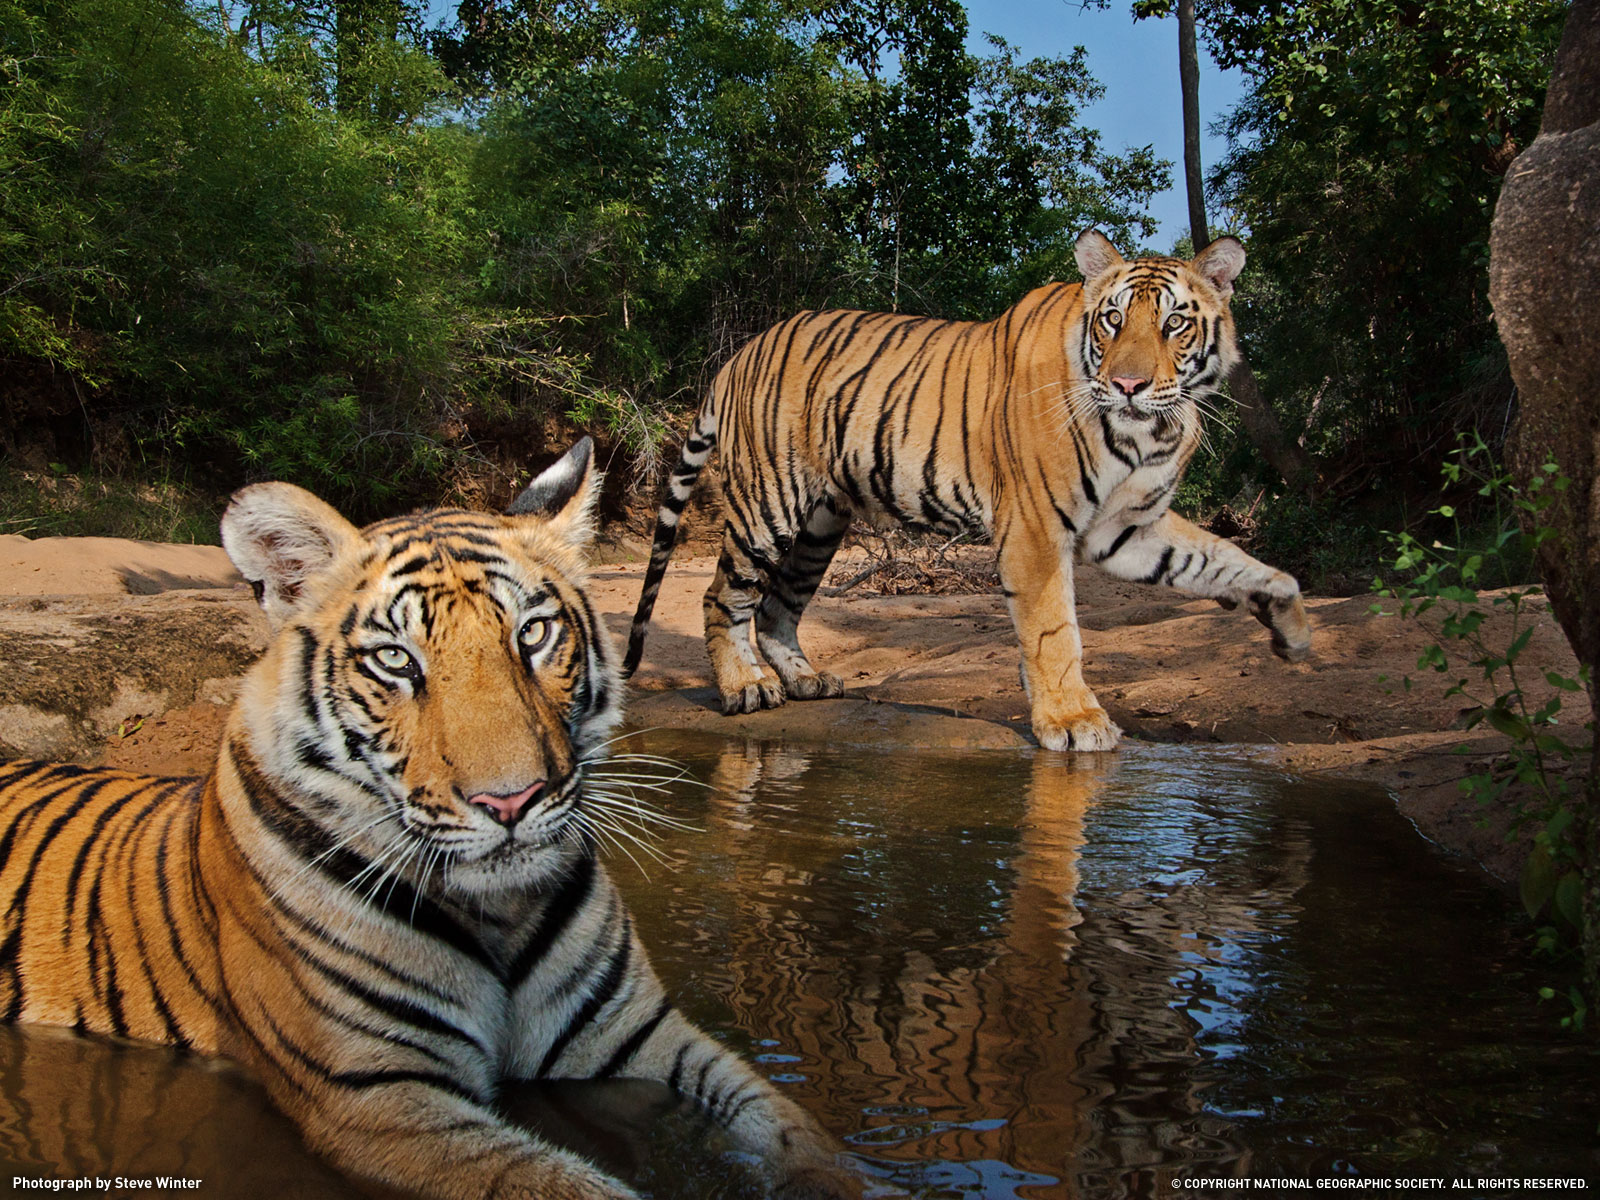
(765,692)
(1090,729)
(1285,617)
(820,686)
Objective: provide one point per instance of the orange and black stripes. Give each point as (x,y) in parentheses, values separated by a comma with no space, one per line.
(93,861)
(386,897)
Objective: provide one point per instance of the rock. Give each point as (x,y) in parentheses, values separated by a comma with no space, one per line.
(1544,261)
(1543,264)
(80,668)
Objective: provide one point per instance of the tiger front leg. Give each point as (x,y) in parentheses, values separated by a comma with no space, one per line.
(744,681)
(1037,576)
(795,1158)
(438,1143)
(1179,554)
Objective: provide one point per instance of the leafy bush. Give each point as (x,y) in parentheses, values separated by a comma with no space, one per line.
(1366,160)
(1440,583)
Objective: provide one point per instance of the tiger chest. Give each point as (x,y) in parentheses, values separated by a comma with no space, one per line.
(1135,496)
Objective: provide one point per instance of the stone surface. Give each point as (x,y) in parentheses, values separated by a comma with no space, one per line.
(1544,266)
(77,671)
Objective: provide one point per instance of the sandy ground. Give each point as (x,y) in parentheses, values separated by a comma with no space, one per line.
(942,670)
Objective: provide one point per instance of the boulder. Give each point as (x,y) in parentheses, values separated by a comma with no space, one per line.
(1543,267)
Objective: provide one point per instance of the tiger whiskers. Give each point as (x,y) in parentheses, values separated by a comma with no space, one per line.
(384,863)
(434,854)
(594,755)
(618,817)
(617,793)
(397,870)
(1206,410)
(608,831)
(1072,406)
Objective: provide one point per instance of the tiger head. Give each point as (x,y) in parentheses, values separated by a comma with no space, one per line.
(1156,333)
(436,682)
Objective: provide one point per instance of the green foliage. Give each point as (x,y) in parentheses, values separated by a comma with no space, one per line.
(37,136)
(964,180)
(304,241)
(698,171)
(1441,583)
(250,278)
(1366,160)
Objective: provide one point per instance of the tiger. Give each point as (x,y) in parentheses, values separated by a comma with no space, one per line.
(386,897)
(1060,429)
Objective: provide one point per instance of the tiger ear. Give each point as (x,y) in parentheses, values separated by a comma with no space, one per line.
(565,495)
(1219,264)
(282,538)
(1095,254)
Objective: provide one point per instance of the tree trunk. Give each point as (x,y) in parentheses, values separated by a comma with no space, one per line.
(1189,81)
(1544,258)
(1281,452)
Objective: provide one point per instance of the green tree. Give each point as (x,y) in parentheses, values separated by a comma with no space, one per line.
(1366,159)
(295,239)
(699,170)
(224,266)
(964,177)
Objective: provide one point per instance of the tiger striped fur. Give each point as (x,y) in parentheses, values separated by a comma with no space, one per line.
(1061,428)
(386,897)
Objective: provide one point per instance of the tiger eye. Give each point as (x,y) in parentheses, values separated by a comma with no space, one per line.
(392,658)
(535,633)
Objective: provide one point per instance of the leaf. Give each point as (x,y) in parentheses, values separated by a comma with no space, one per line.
(1507,722)
(1519,644)
(1538,882)
(1569,899)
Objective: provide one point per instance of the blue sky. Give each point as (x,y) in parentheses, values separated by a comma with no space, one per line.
(1137,62)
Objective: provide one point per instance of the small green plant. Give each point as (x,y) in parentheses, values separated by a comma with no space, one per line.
(1490,632)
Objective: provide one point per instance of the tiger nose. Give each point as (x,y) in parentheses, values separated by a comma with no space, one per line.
(1128,384)
(507,810)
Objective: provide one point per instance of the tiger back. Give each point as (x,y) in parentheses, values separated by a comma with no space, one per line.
(386,897)
(1061,428)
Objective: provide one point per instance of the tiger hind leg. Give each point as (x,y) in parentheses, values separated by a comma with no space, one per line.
(784,603)
(744,681)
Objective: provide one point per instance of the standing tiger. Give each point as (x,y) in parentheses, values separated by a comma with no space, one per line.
(385,897)
(1061,428)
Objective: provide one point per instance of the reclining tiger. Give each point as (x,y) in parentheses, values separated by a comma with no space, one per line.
(1061,428)
(385,898)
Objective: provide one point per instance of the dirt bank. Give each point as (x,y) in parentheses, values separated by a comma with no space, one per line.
(920,669)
